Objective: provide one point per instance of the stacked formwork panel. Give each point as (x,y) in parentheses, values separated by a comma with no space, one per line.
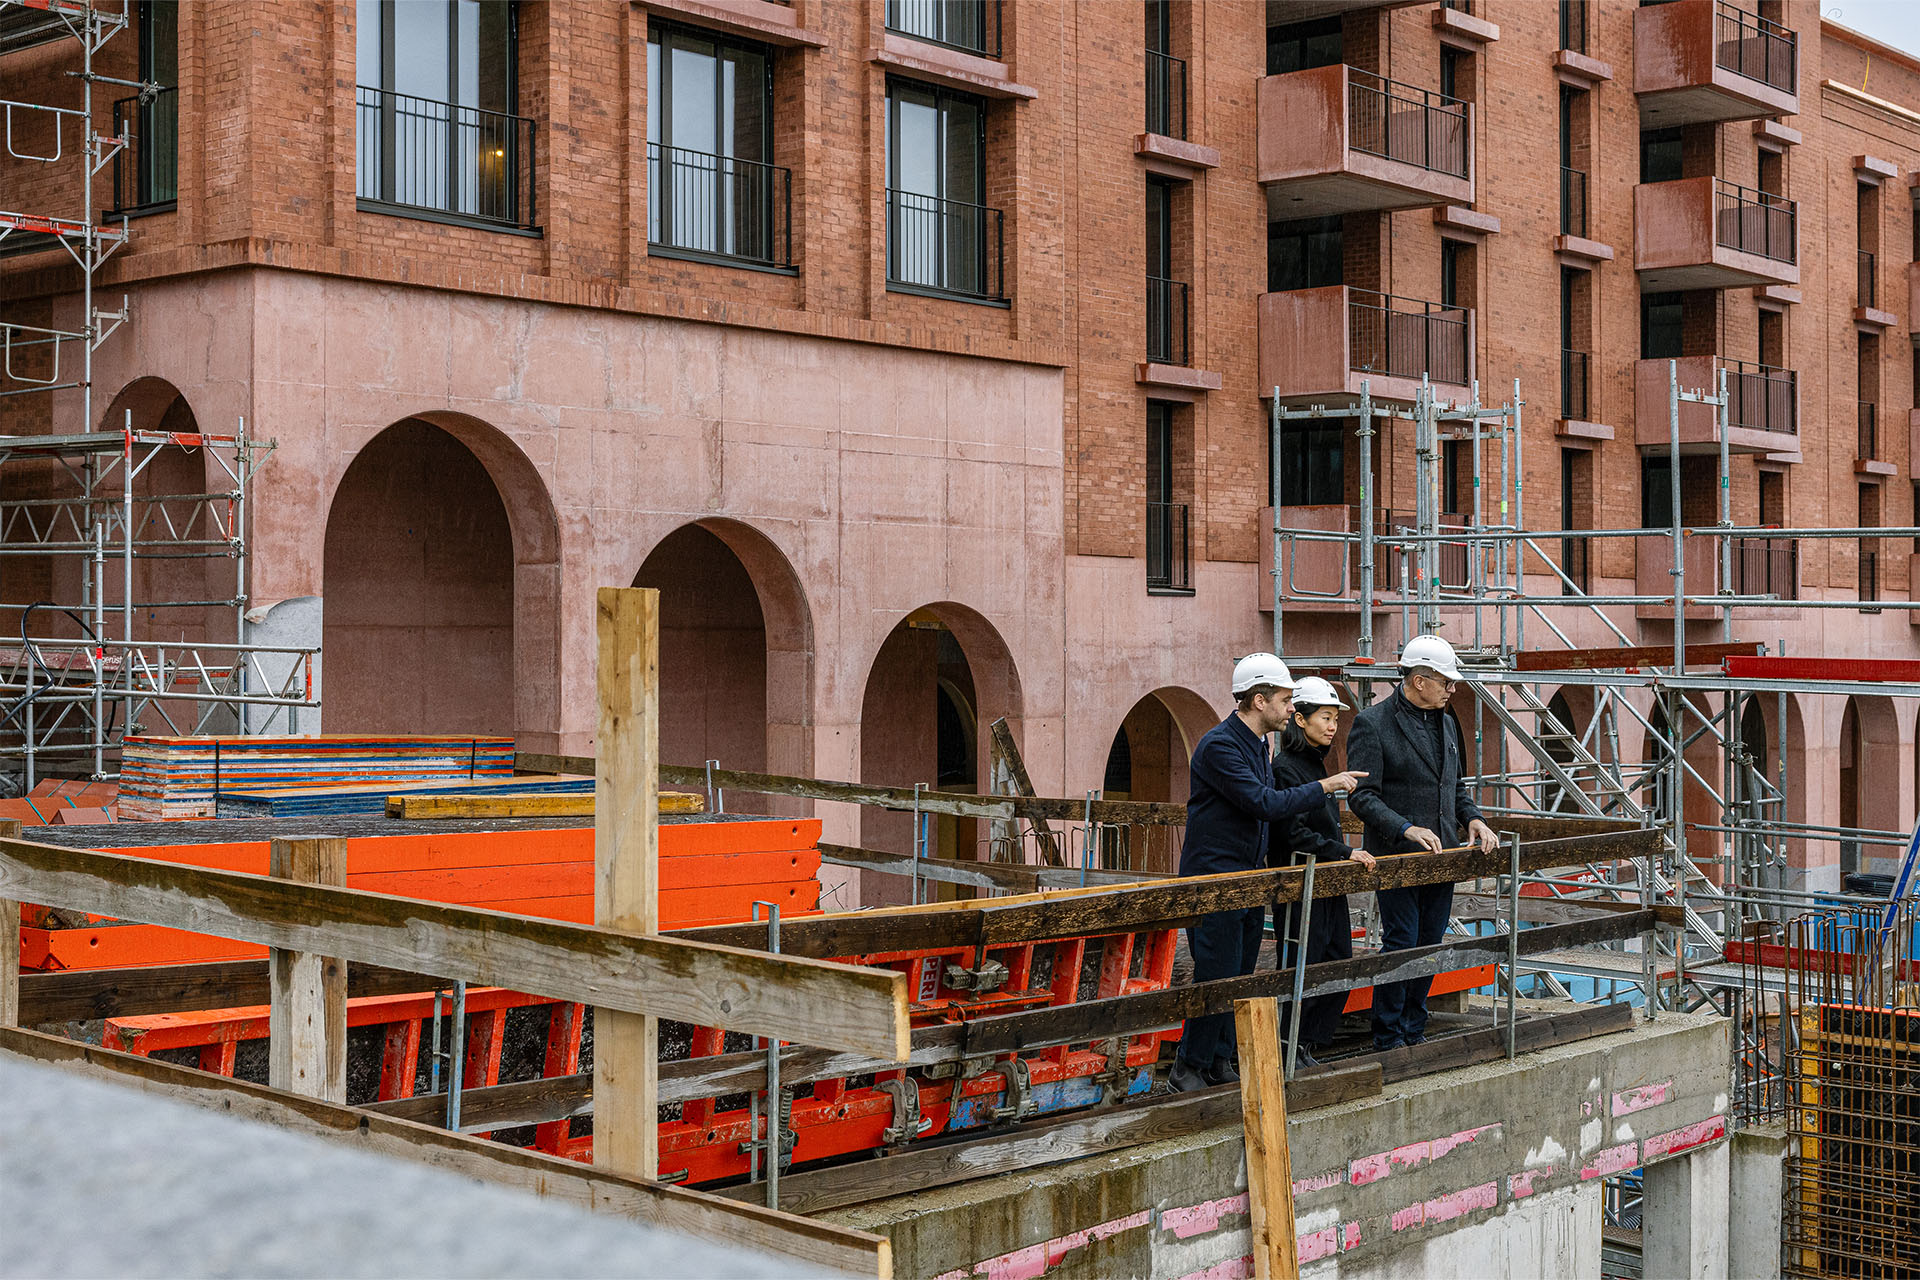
(74,675)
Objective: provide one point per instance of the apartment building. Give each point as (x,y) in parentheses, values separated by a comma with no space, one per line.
(920,351)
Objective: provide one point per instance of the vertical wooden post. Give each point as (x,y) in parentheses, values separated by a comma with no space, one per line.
(307,992)
(626,855)
(1263,1101)
(9,943)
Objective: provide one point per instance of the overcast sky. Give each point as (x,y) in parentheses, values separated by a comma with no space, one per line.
(1894,22)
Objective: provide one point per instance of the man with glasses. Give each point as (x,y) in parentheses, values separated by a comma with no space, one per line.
(1410,754)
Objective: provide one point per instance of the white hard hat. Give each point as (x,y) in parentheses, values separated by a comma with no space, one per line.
(1433,653)
(1315,692)
(1257,669)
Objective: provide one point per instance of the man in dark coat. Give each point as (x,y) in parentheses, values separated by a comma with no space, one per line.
(1230,804)
(1412,752)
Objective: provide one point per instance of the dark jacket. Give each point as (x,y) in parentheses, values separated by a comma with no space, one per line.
(1314,833)
(1406,785)
(1232,800)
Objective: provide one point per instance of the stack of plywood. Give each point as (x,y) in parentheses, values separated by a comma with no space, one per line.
(167,779)
(369,799)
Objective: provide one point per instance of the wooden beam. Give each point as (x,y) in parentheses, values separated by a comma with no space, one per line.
(806,1001)
(1529,1036)
(1611,658)
(1007,751)
(498,807)
(80,995)
(1032,1146)
(307,992)
(1263,1097)
(9,943)
(626,871)
(1005,876)
(1488,906)
(671,1208)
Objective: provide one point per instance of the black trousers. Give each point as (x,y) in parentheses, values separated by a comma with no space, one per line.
(1329,937)
(1415,917)
(1225,944)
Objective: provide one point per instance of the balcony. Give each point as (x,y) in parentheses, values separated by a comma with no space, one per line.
(1653,575)
(1169,556)
(1763,407)
(944,247)
(1167,322)
(1701,61)
(146,171)
(1341,140)
(718,207)
(971,26)
(1321,344)
(1767,567)
(1704,233)
(1866,458)
(1573,202)
(1166,95)
(444,162)
(1869,576)
(1574,404)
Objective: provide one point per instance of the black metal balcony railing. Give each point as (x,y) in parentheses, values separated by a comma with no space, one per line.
(1405,337)
(949,246)
(969,25)
(1755,222)
(1573,385)
(1414,126)
(1166,95)
(719,205)
(1868,281)
(1573,25)
(1757,48)
(146,170)
(1766,567)
(1573,202)
(463,163)
(1869,431)
(1167,321)
(1761,397)
(1869,569)
(1169,560)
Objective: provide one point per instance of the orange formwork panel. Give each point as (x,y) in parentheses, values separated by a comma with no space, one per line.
(710,873)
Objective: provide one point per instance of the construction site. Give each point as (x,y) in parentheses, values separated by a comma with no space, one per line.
(605,609)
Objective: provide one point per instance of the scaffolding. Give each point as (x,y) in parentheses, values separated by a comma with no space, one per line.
(69,699)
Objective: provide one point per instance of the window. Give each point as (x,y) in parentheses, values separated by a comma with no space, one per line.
(1661,155)
(1573,161)
(1660,326)
(939,235)
(1576,495)
(1773,339)
(1167,298)
(1773,499)
(973,25)
(1451,61)
(1451,253)
(1573,25)
(1166,75)
(1167,544)
(1301,46)
(436,129)
(1773,166)
(1305,253)
(710,188)
(147,173)
(1869,547)
(1574,356)
(1312,465)
(1656,491)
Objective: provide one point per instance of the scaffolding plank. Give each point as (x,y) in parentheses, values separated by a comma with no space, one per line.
(522,806)
(1790,668)
(822,1244)
(1609,657)
(80,995)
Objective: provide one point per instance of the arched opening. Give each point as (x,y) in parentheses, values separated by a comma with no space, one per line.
(1869,795)
(939,680)
(1560,732)
(441,604)
(1851,750)
(1149,761)
(736,655)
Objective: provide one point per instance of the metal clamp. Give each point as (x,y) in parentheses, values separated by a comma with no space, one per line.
(908,1123)
(1117,1076)
(990,976)
(1018,1095)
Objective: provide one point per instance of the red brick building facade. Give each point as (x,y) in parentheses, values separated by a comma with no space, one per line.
(920,352)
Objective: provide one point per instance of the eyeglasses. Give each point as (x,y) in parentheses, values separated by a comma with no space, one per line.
(1442,680)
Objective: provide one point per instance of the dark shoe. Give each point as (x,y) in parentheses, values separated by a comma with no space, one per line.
(1413,1040)
(1186,1078)
(1382,1046)
(1224,1071)
(1304,1059)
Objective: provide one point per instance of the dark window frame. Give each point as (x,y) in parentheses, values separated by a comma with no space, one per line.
(994,295)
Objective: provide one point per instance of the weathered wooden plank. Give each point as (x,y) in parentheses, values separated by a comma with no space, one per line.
(1530,1035)
(626,870)
(1007,751)
(1151,1010)
(563,806)
(1489,906)
(79,995)
(806,1001)
(1263,1098)
(853,933)
(9,944)
(1034,1145)
(673,1208)
(307,992)
(1009,877)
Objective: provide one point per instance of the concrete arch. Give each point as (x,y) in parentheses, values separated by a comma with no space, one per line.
(1148,759)
(733,612)
(442,586)
(1868,764)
